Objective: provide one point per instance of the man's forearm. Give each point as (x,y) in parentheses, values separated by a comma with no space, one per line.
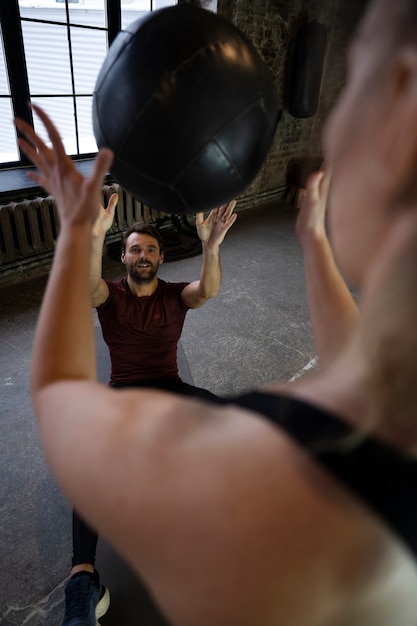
(96,263)
(211,272)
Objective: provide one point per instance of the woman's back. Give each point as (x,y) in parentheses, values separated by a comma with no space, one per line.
(249,528)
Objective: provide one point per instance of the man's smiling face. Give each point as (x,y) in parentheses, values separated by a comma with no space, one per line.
(142,257)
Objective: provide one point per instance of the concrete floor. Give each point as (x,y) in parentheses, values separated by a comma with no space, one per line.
(255,331)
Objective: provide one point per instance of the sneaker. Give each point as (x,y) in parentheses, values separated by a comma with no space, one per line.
(86,600)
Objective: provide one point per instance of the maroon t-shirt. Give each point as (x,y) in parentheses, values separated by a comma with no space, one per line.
(142,332)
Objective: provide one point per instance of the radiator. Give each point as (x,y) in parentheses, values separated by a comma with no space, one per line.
(29,229)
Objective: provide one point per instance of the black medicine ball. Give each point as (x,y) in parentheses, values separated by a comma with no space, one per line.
(188,107)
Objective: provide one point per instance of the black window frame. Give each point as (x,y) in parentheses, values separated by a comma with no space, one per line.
(14,52)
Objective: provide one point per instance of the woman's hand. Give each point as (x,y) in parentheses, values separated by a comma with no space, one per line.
(312,215)
(77,197)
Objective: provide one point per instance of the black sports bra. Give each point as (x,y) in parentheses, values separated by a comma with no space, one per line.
(381,475)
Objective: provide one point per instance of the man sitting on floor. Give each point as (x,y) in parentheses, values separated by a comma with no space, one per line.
(142,318)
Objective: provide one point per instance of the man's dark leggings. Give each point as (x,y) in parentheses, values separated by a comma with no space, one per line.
(84,542)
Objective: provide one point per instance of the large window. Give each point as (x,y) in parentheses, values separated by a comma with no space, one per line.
(51,52)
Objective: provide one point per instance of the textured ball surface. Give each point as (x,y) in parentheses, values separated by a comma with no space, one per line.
(188,107)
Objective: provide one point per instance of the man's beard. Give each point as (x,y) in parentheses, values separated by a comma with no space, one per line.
(143,275)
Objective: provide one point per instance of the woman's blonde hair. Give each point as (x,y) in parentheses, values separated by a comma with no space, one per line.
(389,333)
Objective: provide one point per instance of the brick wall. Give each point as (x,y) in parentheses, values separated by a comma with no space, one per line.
(272,26)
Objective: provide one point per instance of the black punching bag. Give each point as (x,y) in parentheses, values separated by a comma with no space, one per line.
(309,51)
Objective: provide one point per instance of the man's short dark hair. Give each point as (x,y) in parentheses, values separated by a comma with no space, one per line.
(143,229)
